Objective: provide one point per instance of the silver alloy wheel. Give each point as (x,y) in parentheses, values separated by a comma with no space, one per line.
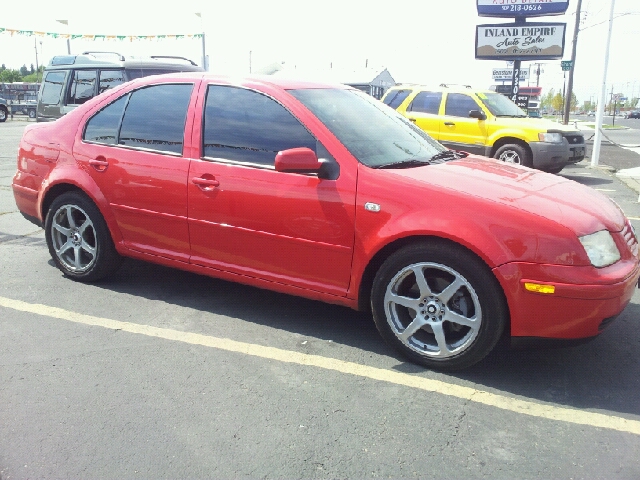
(510,156)
(432,309)
(3,114)
(74,238)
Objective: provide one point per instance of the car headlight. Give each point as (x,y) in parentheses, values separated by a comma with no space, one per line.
(600,248)
(550,137)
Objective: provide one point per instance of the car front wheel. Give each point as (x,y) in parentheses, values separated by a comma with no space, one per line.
(439,305)
(78,238)
(514,153)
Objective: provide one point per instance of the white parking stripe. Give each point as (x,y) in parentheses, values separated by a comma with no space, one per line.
(503,402)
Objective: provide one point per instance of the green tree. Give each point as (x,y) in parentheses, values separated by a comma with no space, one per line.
(547,100)
(24,71)
(557,101)
(10,76)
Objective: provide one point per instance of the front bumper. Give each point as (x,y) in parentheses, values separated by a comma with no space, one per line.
(585,298)
(550,156)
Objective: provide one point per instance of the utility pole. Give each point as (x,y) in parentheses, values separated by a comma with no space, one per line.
(567,98)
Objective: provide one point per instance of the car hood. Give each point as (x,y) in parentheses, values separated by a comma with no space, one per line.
(535,123)
(580,208)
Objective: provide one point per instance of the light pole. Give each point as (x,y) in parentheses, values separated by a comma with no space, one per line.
(204,53)
(66,22)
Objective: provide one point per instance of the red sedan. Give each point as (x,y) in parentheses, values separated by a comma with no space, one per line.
(321,191)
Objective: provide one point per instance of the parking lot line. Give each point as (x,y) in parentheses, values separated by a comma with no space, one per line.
(525,407)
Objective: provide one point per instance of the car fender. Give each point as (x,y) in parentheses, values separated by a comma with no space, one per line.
(71,176)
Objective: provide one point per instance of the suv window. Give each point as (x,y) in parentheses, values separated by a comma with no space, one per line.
(52,88)
(155,117)
(82,87)
(426,102)
(396,97)
(110,79)
(459,105)
(103,126)
(247,126)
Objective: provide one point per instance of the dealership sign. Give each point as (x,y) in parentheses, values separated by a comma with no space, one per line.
(521,8)
(528,41)
(507,74)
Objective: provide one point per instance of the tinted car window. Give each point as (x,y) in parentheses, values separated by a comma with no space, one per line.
(426,102)
(247,126)
(110,78)
(83,87)
(395,98)
(52,88)
(459,105)
(155,117)
(103,127)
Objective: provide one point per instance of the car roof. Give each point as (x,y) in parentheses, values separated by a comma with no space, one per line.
(92,59)
(249,80)
(443,87)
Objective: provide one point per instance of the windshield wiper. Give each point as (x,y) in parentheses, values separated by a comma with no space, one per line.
(414,162)
(512,116)
(448,155)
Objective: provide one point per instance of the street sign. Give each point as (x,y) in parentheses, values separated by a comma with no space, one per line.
(505,74)
(566,65)
(512,41)
(521,8)
(522,101)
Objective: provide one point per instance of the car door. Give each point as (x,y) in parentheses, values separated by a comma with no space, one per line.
(133,150)
(246,218)
(423,111)
(458,130)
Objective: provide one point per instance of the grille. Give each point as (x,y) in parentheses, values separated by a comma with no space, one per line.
(574,139)
(631,239)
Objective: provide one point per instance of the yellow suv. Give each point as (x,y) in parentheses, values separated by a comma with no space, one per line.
(487,123)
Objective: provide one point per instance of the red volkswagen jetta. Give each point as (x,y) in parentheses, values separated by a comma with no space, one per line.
(321,191)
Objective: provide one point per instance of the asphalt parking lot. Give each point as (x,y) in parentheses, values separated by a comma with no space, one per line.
(158,373)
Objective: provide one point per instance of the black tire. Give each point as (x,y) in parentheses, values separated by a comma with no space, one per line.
(79,240)
(554,170)
(4,113)
(32,113)
(468,319)
(514,153)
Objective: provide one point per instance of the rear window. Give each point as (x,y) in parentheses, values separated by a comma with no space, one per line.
(52,88)
(395,97)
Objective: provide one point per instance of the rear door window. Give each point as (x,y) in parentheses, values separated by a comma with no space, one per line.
(83,87)
(52,88)
(426,102)
(110,79)
(155,118)
(246,126)
(103,127)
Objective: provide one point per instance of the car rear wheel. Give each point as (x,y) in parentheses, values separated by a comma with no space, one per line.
(78,238)
(32,114)
(514,153)
(3,114)
(439,305)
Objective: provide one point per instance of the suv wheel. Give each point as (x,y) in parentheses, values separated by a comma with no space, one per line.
(514,153)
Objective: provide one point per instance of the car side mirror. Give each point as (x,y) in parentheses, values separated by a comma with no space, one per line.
(477,114)
(297,160)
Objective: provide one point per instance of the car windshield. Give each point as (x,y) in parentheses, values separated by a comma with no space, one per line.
(374,133)
(500,106)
